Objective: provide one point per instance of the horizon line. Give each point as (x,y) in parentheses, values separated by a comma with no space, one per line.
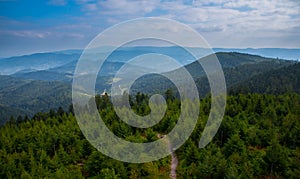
(153,46)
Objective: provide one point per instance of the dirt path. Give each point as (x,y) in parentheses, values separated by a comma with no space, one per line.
(174,162)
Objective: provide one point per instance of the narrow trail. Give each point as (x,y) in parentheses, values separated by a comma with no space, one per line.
(174,164)
(174,161)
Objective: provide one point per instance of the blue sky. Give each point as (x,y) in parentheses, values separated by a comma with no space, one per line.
(29,26)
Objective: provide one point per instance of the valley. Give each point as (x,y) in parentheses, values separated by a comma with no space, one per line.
(29,92)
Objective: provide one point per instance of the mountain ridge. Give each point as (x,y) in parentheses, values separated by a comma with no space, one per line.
(31,96)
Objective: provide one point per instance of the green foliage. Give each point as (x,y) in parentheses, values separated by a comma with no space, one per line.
(278,81)
(259,137)
(43,90)
(27,97)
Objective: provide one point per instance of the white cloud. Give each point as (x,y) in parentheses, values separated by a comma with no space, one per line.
(125,7)
(26,33)
(239,13)
(243,19)
(224,23)
(119,7)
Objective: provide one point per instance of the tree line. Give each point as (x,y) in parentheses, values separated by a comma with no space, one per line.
(259,138)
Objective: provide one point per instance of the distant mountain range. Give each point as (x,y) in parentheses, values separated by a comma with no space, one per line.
(280,53)
(34,62)
(65,72)
(50,60)
(39,82)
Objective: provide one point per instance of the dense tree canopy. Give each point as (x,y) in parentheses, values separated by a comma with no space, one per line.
(259,137)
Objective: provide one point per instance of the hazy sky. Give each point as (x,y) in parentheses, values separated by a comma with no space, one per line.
(28,26)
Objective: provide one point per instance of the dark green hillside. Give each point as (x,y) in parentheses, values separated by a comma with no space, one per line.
(227,60)
(29,97)
(258,138)
(243,73)
(9,83)
(237,68)
(6,112)
(277,81)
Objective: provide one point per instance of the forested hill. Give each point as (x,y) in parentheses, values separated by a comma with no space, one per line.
(232,60)
(279,81)
(237,68)
(258,138)
(27,97)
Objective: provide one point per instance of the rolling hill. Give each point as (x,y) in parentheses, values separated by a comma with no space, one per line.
(279,81)
(51,88)
(65,72)
(28,97)
(38,61)
(237,68)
